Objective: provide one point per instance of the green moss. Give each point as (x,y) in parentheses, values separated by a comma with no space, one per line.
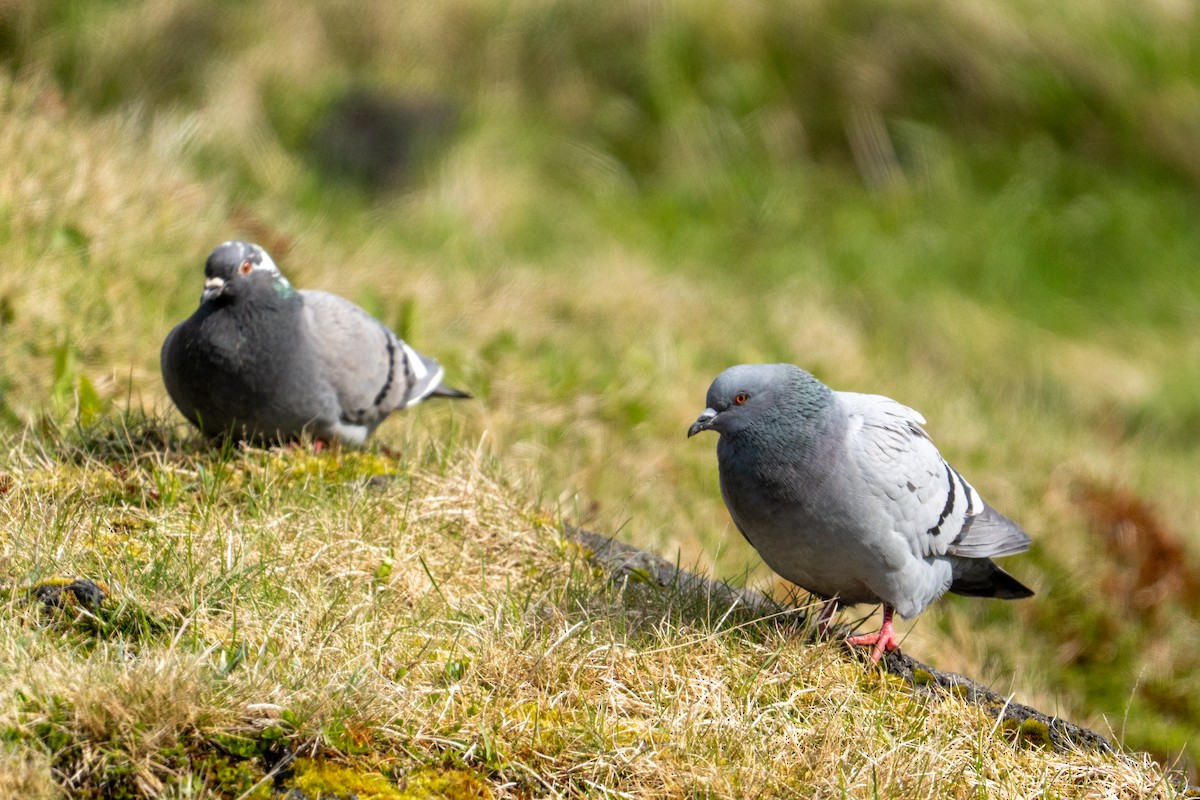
(1027,731)
(343,466)
(452,784)
(922,677)
(640,575)
(960,691)
(322,779)
(1034,731)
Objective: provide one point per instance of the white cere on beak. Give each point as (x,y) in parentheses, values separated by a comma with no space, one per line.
(212,287)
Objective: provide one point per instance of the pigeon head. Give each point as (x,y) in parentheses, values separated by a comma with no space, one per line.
(233,264)
(751,395)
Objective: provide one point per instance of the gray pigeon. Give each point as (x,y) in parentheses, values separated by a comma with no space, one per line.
(845,495)
(261,361)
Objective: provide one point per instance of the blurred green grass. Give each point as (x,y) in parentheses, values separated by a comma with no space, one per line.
(987,211)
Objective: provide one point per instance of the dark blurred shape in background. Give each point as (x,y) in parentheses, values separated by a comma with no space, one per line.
(377,141)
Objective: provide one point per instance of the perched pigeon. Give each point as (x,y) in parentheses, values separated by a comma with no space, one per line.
(262,361)
(845,495)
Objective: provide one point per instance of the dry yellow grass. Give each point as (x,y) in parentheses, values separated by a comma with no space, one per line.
(399,613)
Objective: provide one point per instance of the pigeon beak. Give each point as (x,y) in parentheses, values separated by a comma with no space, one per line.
(703,422)
(213,287)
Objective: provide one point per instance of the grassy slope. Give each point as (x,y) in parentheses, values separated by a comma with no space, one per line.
(593,248)
(414,618)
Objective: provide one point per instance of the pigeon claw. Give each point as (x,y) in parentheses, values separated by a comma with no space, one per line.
(884,640)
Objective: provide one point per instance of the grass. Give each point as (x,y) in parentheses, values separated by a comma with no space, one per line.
(411,617)
(985,213)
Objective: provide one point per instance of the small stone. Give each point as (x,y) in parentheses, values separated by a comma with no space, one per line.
(61,593)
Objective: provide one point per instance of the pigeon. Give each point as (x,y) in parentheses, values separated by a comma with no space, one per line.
(845,495)
(263,362)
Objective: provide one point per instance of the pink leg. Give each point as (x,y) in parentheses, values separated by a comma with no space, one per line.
(884,640)
(825,618)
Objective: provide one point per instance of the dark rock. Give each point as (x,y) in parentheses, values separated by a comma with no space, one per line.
(80,592)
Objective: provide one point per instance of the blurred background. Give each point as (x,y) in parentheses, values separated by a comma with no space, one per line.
(989,211)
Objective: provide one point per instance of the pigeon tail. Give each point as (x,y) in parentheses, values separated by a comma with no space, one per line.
(980,577)
(425,375)
(989,533)
(451,392)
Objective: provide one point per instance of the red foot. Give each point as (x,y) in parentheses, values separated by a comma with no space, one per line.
(884,640)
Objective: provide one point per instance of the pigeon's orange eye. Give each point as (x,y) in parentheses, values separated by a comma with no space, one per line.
(740,398)
(246,267)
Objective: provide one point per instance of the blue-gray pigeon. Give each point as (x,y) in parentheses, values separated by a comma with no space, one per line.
(845,495)
(262,361)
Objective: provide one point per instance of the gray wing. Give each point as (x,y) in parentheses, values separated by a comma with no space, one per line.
(372,371)
(929,502)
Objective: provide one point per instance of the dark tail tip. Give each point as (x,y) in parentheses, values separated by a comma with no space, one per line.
(1009,588)
(448,391)
(990,581)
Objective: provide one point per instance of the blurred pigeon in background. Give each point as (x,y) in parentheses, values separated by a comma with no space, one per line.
(261,361)
(845,495)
